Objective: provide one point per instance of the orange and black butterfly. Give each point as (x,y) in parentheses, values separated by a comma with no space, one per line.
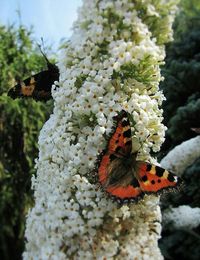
(124,178)
(37,86)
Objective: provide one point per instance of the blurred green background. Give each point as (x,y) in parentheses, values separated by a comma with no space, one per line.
(21,121)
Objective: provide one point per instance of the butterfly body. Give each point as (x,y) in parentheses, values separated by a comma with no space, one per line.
(37,86)
(121,170)
(122,176)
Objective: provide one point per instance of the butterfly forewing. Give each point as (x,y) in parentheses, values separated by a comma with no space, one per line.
(120,142)
(153,178)
(119,145)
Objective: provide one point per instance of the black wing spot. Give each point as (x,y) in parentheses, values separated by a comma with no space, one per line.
(112,157)
(149,166)
(159,171)
(159,181)
(118,149)
(135,183)
(153,182)
(128,143)
(125,123)
(144,178)
(127,133)
(171,177)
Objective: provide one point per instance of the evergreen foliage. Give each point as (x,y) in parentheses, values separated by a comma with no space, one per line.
(20,122)
(183,243)
(181,88)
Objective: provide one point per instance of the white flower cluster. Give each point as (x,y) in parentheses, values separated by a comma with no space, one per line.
(182,217)
(182,156)
(110,63)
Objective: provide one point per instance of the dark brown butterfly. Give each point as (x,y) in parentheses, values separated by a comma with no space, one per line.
(37,86)
(196,130)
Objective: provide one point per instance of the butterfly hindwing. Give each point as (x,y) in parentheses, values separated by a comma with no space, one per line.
(125,194)
(117,180)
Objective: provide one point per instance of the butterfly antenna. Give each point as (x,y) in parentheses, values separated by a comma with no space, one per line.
(140,145)
(43,53)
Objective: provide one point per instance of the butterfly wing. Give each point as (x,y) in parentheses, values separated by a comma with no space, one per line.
(120,140)
(119,145)
(196,130)
(37,86)
(154,179)
(114,176)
